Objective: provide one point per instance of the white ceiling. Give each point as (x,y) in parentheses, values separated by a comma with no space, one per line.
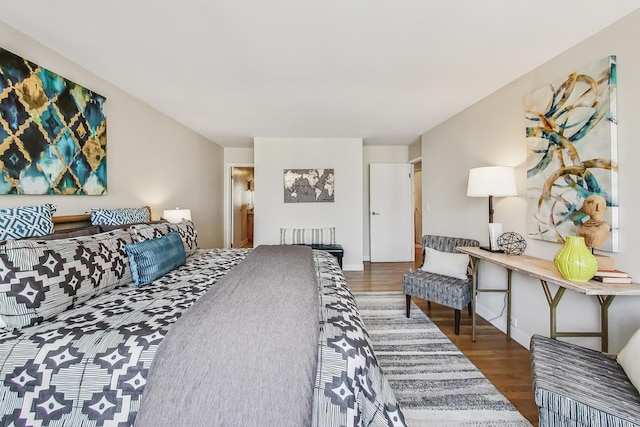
(382,70)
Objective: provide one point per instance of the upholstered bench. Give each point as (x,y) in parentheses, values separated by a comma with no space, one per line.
(577,386)
(323,239)
(335,250)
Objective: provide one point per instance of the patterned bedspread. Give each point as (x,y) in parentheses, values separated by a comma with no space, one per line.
(351,389)
(88,366)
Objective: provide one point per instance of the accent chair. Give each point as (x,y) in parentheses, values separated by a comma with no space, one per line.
(449,291)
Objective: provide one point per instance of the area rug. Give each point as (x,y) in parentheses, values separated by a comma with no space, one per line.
(435,384)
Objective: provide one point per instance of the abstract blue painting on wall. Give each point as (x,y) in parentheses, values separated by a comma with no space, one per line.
(53,132)
(572,160)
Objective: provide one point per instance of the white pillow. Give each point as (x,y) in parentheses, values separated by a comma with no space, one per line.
(629,359)
(445,263)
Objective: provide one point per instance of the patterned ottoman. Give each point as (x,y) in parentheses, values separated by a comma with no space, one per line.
(577,386)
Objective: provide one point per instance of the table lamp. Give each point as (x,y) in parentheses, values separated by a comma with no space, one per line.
(492,181)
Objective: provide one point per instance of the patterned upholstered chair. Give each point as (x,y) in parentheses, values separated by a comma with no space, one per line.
(445,290)
(577,386)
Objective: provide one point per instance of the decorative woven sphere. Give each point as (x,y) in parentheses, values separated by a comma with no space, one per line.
(512,243)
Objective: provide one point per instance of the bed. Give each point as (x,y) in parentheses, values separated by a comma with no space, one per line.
(270,336)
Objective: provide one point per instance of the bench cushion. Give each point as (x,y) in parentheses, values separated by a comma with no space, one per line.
(575,386)
(445,290)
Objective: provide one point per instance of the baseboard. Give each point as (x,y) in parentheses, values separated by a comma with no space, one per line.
(353,267)
(366,258)
(518,335)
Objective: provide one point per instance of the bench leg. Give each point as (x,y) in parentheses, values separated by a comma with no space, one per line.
(457,322)
(408,305)
(469,308)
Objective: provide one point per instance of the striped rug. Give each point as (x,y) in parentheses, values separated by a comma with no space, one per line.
(435,384)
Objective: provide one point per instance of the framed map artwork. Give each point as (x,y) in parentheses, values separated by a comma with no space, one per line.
(308,185)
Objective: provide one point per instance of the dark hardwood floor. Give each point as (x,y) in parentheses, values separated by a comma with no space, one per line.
(504,363)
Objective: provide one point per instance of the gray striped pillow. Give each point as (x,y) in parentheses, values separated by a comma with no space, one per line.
(308,236)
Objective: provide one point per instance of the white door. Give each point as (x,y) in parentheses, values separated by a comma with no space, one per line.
(390,212)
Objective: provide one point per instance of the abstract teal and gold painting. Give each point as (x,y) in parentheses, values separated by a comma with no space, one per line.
(572,165)
(53,132)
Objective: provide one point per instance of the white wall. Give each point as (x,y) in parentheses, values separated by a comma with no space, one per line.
(152,159)
(376,154)
(491,132)
(273,155)
(238,156)
(415,150)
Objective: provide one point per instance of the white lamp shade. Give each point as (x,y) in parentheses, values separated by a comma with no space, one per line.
(498,181)
(177,214)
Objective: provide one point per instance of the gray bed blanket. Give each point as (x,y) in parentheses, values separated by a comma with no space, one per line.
(245,354)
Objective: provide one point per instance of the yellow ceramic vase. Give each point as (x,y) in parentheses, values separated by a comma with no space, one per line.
(575,261)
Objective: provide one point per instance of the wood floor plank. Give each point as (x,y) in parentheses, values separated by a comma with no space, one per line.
(504,363)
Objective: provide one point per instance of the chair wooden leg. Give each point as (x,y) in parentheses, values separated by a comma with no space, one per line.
(429,303)
(457,322)
(408,305)
(469,308)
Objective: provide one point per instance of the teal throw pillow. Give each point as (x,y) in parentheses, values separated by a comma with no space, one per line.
(154,258)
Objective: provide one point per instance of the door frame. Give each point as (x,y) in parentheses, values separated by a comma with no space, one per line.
(228,200)
(413,162)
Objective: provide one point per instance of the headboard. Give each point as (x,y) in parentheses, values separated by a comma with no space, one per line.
(74,222)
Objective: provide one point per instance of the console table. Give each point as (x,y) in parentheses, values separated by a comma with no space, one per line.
(546,272)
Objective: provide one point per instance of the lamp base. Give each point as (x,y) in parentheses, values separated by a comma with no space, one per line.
(488,249)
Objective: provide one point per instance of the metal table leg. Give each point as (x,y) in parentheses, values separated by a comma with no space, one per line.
(553,302)
(475,263)
(509,272)
(604,301)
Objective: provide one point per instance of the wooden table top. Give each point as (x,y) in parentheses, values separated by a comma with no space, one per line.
(545,270)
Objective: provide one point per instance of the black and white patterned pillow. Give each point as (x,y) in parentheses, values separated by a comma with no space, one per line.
(26,221)
(185,228)
(119,216)
(41,279)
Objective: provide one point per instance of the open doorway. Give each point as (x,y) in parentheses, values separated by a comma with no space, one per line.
(417,205)
(241,206)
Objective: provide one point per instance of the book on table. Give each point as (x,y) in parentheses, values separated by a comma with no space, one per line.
(602,279)
(611,273)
